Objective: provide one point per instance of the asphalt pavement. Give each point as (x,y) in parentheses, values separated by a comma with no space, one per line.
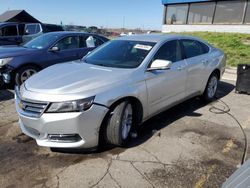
(190,145)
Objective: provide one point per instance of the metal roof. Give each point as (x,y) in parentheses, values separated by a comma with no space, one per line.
(167,2)
(17,16)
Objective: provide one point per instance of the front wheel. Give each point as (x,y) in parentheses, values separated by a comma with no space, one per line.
(119,124)
(211,88)
(24,73)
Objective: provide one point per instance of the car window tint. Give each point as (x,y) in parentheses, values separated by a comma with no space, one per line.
(98,42)
(83,41)
(170,51)
(67,43)
(21,29)
(204,47)
(31,29)
(120,54)
(9,31)
(194,48)
(42,41)
(90,42)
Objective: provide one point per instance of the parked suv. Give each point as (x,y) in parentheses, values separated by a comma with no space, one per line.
(17,64)
(114,89)
(17,33)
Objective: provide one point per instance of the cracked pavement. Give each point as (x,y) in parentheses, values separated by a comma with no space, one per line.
(186,146)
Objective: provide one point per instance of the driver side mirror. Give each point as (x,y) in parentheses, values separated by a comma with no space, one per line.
(54,49)
(159,64)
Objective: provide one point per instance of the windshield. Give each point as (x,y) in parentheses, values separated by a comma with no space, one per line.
(42,41)
(120,54)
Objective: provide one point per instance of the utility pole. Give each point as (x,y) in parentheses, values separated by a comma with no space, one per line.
(123,26)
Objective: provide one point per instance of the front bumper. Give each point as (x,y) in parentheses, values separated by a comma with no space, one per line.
(85,124)
(5,75)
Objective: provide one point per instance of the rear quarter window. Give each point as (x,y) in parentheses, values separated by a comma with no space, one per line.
(193,48)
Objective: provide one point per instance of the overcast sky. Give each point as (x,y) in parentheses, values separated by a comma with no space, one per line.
(145,14)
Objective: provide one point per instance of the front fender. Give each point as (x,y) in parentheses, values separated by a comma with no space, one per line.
(137,90)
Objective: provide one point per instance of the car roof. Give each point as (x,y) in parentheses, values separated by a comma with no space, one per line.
(65,33)
(7,23)
(155,37)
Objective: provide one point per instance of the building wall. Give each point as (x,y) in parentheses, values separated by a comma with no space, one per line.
(208,28)
(216,16)
(168,2)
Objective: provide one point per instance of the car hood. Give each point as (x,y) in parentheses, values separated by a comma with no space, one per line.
(13,51)
(76,77)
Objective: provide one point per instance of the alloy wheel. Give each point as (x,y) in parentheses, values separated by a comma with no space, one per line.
(126,121)
(26,74)
(212,87)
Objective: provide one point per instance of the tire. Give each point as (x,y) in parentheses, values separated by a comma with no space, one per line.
(211,88)
(24,73)
(119,124)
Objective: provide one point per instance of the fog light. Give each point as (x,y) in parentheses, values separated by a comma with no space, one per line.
(66,138)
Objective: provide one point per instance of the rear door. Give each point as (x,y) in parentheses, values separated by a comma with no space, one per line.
(167,86)
(196,54)
(88,43)
(9,35)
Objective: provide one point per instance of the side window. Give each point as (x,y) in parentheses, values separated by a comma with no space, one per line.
(67,43)
(194,48)
(31,29)
(9,31)
(205,48)
(170,51)
(98,42)
(90,42)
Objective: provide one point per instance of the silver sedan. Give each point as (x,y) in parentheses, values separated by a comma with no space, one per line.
(114,89)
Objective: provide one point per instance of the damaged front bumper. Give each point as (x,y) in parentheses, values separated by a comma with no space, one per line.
(6,74)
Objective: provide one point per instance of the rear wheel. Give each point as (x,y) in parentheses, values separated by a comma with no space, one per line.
(24,73)
(211,88)
(119,124)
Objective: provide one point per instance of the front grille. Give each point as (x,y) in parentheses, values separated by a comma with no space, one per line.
(30,108)
(34,108)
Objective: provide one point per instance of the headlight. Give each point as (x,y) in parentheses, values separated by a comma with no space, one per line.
(5,61)
(71,106)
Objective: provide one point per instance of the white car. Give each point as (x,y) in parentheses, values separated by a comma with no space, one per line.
(114,89)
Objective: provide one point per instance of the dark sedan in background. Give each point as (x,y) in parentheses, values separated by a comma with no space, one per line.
(17,64)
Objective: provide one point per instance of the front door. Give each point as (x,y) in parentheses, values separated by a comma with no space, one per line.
(167,86)
(69,50)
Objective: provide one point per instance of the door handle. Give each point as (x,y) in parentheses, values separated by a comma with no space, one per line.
(180,68)
(204,61)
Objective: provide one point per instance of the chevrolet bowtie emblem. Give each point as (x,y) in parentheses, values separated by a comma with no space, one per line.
(22,106)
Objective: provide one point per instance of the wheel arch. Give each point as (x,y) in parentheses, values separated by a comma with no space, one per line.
(136,104)
(138,115)
(28,64)
(217,73)
(15,71)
